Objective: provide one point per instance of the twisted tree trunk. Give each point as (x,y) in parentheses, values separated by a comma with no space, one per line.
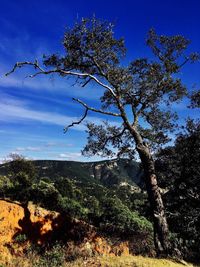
(161,231)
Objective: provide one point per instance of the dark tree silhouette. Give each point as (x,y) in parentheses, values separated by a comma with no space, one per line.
(178,169)
(138,94)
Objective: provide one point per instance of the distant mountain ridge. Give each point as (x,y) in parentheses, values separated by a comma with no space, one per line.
(108,172)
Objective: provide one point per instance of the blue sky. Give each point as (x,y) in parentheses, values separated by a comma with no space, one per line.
(33,112)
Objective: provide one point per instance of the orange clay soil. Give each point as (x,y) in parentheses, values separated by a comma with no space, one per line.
(41,226)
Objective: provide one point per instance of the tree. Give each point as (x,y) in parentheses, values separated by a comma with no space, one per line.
(195,99)
(139,95)
(21,173)
(178,169)
(19,166)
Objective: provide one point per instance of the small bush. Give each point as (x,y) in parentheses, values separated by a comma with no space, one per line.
(53,257)
(21,238)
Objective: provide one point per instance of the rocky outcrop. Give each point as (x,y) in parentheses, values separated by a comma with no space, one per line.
(114,172)
(106,172)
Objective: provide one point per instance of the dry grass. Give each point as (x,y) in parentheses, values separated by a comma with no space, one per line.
(132,261)
(104,261)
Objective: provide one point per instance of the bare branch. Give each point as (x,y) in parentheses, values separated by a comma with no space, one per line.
(86,82)
(86,112)
(99,67)
(76,122)
(96,110)
(60,71)
(21,64)
(184,62)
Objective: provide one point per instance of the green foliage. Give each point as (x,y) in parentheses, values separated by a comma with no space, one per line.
(71,207)
(179,172)
(6,185)
(19,166)
(52,257)
(195,99)
(95,200)
(45,193)
(21,238)
(93,205)
(67,187)
(20,174)
(126,221)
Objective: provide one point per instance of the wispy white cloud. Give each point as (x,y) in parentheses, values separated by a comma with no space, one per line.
(14,110)
(29,148)
(44,147)
(24,52)
(58,144)
(60,86)
(70,156)
(19,80)
(50,144)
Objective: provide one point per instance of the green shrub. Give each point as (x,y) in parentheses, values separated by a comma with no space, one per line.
(46,194)
(21,238)
(71,207)
(5,185)
(53,257)
(119,218)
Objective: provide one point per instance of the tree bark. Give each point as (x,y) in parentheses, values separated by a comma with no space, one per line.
(161,231)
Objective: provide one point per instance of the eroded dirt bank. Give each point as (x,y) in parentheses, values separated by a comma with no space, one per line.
(41,226)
